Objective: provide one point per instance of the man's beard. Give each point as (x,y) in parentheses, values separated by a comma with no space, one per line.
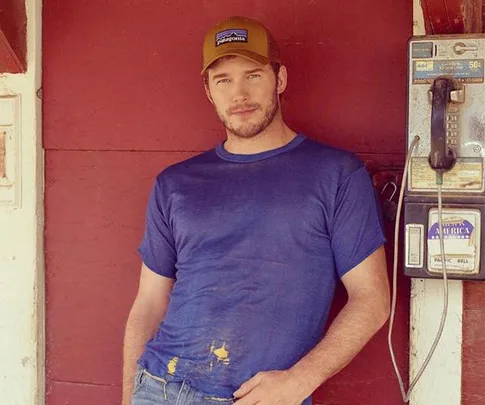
(250,130)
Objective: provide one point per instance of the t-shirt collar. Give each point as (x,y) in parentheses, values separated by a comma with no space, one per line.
(234,157)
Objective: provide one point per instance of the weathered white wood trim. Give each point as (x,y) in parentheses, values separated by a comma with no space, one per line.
(22,371)
(441,381)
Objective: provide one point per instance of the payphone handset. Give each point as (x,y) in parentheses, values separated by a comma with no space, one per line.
(444,198)
(442,156)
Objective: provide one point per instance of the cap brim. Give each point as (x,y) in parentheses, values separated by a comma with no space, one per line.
(236,52)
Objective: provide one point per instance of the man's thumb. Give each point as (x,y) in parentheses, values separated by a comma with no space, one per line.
(248,386)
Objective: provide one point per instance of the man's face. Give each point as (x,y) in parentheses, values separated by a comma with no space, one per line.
(244,94)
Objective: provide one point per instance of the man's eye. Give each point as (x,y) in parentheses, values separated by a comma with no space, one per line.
(254,76)
(221,81)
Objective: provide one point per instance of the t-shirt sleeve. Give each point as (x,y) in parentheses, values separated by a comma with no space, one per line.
(157,249)
(357,224)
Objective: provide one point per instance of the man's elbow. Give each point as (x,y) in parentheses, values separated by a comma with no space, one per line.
(376,305)
(382,314)
(382,308)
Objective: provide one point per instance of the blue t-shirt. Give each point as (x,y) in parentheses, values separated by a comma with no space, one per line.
(257,244)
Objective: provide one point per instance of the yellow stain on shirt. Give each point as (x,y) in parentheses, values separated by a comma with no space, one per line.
(221,354)
(172,365)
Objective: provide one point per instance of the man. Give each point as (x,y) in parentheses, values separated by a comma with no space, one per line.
(243,248)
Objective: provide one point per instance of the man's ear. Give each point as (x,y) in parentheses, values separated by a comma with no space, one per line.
(207,91)
(282,79)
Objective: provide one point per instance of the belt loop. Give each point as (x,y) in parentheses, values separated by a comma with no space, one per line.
(180,392)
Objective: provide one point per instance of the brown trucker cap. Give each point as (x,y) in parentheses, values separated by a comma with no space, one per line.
(239,36)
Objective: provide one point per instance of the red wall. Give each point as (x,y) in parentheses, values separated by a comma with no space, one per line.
(123,99)
(473,350)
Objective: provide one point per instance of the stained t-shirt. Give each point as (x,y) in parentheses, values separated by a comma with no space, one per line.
(257,244)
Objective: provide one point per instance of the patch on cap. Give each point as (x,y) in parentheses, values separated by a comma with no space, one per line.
(232,35)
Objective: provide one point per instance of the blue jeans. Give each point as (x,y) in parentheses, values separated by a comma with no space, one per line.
(153,390)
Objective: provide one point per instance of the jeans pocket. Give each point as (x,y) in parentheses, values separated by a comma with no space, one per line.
(139,377)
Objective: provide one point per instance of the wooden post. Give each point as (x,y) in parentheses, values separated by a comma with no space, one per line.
(3,154)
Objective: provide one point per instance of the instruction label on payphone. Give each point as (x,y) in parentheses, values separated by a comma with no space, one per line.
(465,176)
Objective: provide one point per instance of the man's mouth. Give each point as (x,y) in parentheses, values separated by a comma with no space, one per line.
(243,111)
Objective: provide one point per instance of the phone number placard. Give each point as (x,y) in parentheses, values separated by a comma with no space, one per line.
(463,70)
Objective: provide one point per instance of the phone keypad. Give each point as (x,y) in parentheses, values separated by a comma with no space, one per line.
(452,126)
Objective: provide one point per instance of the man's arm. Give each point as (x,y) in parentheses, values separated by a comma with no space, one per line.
(365,312)
(147,312)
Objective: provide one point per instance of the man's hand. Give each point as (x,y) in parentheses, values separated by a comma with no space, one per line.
(272,388)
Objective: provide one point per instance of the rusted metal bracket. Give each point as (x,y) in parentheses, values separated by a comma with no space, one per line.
(453,16)
(13,37)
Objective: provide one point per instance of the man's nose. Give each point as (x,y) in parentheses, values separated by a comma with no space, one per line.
(240,91)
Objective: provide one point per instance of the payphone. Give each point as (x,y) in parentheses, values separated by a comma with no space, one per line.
(446,110)
(443,187)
